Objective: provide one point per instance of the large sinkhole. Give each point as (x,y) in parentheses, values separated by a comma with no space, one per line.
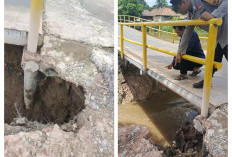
(56,100)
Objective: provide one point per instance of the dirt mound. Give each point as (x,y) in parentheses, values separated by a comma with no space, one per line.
(56,100)
(136,140)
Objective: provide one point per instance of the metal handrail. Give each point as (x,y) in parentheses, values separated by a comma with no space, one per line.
(150,28)
(208,62)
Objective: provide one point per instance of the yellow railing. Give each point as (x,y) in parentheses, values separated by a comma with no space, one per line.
(134,19)
(208,62)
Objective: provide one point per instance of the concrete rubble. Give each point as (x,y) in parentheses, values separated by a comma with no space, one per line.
(216,131)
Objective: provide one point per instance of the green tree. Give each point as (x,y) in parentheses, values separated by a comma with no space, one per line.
(146,6)
(131,7)
(160,4)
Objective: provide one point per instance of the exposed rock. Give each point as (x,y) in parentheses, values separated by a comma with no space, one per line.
(216,136)
(198,126)
(136,140)
(21,121)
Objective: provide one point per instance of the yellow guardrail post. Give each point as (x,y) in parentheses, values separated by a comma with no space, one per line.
(144,31)
(121,41)
(159,32)
(209,69)
(173,36)
(124,19)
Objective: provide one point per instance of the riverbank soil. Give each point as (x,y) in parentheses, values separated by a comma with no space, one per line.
(132,86)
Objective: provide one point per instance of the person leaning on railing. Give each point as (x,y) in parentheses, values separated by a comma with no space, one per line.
(205,10)
(194,49)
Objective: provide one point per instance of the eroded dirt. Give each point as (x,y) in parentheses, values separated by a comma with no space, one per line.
(132,86)
(56,100)
(88,133)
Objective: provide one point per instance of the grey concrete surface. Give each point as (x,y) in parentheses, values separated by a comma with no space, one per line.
(16,22)
(81,21)
(16,17)
(70,19)
(156,65)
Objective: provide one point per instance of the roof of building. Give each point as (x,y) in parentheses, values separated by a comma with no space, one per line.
(159,12)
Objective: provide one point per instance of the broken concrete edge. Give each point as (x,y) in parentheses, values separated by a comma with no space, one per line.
(18,37)
(215,131)
(101,58)
(43,63)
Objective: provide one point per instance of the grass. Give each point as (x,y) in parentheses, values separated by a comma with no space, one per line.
(199,31)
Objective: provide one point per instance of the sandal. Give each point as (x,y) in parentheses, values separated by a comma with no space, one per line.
(181,77)
(195,73)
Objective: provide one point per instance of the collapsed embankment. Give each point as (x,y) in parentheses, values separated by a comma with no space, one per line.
(56,100)
(69,117)
(187,140)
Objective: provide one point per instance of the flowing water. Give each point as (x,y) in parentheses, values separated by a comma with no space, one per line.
(163,114)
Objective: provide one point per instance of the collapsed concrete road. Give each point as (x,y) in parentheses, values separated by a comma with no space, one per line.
(77,48)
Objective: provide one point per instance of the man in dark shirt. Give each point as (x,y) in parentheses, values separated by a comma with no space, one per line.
(194,49)
(205,10)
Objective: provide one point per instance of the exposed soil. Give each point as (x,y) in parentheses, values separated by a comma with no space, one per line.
(56,100)
(84,114)
(131,86)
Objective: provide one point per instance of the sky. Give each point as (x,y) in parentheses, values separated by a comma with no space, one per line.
(152,2)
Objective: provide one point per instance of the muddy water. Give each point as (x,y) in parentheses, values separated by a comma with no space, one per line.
(163,114)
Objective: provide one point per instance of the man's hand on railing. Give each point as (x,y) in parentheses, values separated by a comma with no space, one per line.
(169,66)
(206,16)
(178,58)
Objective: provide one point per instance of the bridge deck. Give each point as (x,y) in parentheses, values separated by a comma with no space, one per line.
(156,69)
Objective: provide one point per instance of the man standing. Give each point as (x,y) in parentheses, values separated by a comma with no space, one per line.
(205,10)
(194,49)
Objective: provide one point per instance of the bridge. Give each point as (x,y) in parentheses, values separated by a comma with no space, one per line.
(153,63)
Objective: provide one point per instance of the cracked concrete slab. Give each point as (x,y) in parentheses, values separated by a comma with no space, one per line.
(71,20)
